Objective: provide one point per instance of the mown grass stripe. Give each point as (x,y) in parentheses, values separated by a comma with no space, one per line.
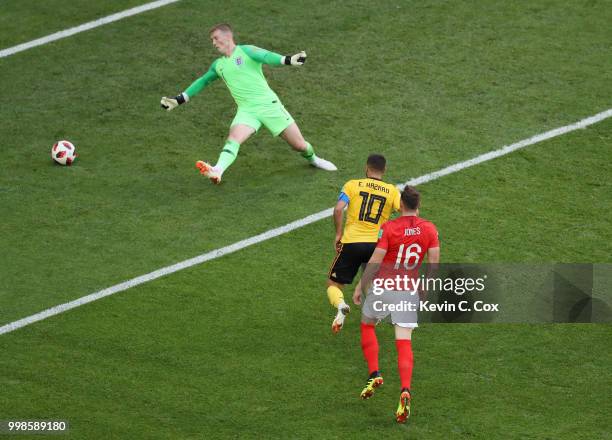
(217,253)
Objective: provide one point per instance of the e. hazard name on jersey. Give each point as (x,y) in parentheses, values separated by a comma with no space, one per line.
(375,186)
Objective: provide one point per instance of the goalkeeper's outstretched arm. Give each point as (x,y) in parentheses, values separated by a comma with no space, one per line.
(266,57)
(196,87)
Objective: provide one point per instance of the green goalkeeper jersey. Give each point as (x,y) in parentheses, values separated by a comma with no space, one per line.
(243,75)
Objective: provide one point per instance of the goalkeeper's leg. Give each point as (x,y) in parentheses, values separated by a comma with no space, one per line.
(239,134)
(293,136)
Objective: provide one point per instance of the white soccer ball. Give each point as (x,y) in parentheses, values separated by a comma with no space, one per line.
(63,152)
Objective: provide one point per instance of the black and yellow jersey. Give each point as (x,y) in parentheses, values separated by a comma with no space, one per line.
(370,204)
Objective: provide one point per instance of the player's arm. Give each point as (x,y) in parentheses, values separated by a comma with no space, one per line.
(396,200)
(368,274)
(273,59)
(433,251)
(374,263)
(433,258)
(343,201)
(395,204)
(433,261)
(196,87)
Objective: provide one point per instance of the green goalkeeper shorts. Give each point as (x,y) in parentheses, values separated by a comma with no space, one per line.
(274,116)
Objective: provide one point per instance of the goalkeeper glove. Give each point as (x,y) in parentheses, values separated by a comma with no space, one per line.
(295,60)
(172,103)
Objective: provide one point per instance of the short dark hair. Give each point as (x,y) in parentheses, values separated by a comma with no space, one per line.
(221,27)
(411,197)
(376,162)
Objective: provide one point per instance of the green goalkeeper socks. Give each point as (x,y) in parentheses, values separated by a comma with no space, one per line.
(230,152)
(228,155)
(309,153)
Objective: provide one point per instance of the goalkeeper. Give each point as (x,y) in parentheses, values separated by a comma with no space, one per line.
(240,69)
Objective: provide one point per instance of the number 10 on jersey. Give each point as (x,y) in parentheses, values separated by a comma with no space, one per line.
(367,206)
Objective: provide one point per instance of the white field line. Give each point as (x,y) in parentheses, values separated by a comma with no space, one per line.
(85,27)
(217,253)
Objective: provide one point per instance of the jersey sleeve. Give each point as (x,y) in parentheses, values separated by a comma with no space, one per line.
(396,200)
(263,56)
(434,240)
(347,192)
(344,197)
(383,237)
(198,85)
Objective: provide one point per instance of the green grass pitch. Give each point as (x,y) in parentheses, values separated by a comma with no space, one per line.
(240,347)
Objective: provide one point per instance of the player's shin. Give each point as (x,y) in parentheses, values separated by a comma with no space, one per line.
(405,361)
(228,155)
(335,296)
(369,346)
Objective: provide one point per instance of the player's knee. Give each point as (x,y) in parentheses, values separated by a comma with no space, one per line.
(335,284)
(403,332)
(367,320)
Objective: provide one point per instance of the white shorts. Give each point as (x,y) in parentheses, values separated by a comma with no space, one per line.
(401,306)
